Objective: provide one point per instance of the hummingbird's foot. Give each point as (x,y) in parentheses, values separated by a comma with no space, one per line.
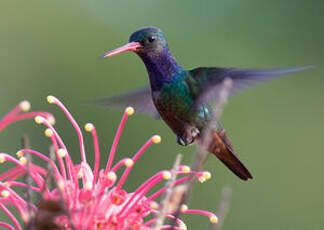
(184,140)
(188,137)
(181,141)
(194,132)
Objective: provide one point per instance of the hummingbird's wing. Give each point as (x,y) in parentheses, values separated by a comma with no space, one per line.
(140,99)
(209,80)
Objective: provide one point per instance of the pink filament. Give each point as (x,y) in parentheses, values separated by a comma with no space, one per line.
(170,226)
(141,191)
(13,112)
(13,116)
(60,160)
(141,196)
(7,226)
(75,125)
(119,164)
(161,191)
(68,160)
(4,121)
(148,223)
(115,142)
(137,155)
(34,175)
(197,211)
(29,115)
(97,154)
(13,173)
(43,157)
(15,198)
(11,216)
(20,184)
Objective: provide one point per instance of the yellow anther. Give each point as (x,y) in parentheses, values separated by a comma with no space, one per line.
(26,217)
(207,175)
(39,119)
(51,120)
(130,111)
(19,153)
(154,205)
(183,208)
(61,184)
(185,168)
(48,132)
(61,152)
(89,127)
(80,173)
(156,139)
(88,185)
(182,226)
(25,106)
(213,219)
(112,176)
(2,158)
(6,184)
(50,99)
(202,179)
(5,193)
(129,162)
(23,160)
(166,175)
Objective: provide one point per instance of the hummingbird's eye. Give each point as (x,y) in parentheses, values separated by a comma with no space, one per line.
(151,39)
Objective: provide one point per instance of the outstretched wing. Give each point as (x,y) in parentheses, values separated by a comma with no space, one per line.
(209,80)
(140,99)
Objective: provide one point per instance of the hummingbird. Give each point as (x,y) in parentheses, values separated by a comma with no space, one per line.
(183,98)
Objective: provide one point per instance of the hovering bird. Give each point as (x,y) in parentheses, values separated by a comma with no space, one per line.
(182,98)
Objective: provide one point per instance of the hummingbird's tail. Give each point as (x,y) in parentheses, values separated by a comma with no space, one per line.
(222,148)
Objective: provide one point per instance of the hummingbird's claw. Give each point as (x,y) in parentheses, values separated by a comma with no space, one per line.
(188,136)
(194,132)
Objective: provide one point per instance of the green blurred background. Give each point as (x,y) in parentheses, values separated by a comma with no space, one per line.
(53,47)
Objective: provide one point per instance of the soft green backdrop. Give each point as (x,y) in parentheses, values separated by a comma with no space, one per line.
(53,47)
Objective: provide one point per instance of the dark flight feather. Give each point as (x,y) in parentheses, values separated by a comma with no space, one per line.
(140,99)
(210,79)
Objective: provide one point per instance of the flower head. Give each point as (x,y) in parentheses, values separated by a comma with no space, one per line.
(92,198)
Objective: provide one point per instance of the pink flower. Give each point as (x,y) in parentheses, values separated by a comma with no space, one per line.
(93,198)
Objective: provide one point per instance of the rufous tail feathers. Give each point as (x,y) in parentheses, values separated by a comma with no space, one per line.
(222,148)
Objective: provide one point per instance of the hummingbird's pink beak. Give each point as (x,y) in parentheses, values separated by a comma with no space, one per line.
(132,46)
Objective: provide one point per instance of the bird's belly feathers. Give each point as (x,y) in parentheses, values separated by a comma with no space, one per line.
(175,106)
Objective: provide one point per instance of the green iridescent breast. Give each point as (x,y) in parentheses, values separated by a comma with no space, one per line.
(174,97)
(176,101)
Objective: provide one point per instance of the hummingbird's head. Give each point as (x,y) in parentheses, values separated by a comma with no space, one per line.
(151,39)
(145,41)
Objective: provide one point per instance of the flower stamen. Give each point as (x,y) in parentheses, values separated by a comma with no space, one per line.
(54,100)
(128,111)
(100,202)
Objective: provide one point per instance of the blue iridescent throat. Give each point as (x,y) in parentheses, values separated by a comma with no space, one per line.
(161,67)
